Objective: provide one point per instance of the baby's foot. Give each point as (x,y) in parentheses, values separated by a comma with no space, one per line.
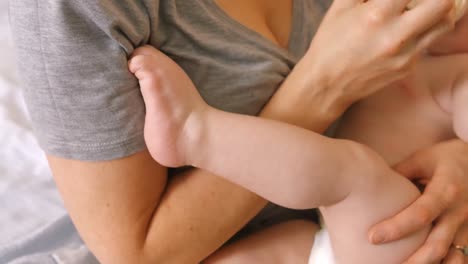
(173,107)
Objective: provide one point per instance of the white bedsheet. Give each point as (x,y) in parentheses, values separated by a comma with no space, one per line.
(28,199)
(34,227)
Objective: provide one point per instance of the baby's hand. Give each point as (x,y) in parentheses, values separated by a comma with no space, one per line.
(453,42)
(173,106)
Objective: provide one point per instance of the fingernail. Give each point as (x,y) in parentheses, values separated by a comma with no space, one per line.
(378,237)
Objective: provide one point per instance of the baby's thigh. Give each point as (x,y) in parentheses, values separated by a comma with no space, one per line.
(287,242)
(370,203)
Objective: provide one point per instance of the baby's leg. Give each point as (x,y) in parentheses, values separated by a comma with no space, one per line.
(374,197)
(288,242)
(285,164)
(390,122)
(373,200)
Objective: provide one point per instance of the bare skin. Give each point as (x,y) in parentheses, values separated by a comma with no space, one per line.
(288,242)
(425,108)
(152,218)
(199,233)
(451,43)
(416,113)
(429,106)
(180,122)
(416,104)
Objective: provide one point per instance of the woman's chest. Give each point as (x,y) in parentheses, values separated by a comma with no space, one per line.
(234,53)
(271,19)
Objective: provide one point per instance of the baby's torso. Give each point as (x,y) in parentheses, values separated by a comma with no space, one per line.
(405,116)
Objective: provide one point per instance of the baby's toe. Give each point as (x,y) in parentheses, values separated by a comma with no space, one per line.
(137,63)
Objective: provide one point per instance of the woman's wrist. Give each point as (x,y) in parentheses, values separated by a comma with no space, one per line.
(306,99)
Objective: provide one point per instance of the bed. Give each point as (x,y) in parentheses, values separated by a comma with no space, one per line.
(34,226)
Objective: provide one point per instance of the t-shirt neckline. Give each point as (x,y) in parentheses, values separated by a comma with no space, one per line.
(294,34)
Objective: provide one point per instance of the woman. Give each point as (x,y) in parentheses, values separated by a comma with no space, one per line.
(88,112)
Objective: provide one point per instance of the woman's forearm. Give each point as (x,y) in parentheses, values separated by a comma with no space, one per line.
(193,218)
(303,100)
(285,164)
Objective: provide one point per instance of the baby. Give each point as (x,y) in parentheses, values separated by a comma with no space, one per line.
(350,183)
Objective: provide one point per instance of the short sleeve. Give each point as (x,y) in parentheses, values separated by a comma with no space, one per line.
(72,58)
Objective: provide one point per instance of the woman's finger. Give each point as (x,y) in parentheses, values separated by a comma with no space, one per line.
(345,4)
(391,6)
(417,216)
(423,17)
(415,167)
(440,239)
(426,40)
(454,257)
(453,42)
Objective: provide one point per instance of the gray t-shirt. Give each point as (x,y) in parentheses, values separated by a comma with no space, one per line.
(84,103)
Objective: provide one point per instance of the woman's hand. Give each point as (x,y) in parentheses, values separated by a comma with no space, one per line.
(456,41)
(363,46)
(444,170)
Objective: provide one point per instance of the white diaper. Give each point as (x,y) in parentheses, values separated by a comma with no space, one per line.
(322,252)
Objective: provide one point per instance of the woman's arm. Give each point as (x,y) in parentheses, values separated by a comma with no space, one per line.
(187,212)
(114,204)
(157,218)
(126,213)
(86,105)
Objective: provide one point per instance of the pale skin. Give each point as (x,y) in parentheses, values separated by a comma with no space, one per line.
(312,171)
(151,223)
(391,122)
(440,168)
